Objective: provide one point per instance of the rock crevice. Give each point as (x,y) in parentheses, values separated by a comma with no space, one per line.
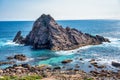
(48,34)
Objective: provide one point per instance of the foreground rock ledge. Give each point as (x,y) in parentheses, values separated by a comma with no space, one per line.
(47,34)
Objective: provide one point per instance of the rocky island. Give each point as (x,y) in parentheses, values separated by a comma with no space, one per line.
(48,34)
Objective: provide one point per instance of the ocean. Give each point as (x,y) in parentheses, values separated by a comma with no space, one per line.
(104,53)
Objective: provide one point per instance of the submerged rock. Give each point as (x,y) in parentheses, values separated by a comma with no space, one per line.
(48,34)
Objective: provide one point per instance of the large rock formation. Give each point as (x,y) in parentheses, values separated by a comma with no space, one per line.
(47,34)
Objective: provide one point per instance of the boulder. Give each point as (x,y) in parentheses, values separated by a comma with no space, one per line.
(10,58)
(1,71)
(92,60)
(18,71)
(81,59)
(20,57)
(57,68)
(66,61)
(115,64)
(48,34)
(26,66)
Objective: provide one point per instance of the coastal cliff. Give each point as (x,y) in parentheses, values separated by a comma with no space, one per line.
(48,34)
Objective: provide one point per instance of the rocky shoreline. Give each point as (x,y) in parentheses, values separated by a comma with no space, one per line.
(59,73)
(46,71)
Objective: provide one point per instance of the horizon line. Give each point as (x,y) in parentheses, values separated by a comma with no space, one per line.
(61,19)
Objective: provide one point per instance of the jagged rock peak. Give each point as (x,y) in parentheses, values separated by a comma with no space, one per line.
(45,17)
(47,34)
(18,38)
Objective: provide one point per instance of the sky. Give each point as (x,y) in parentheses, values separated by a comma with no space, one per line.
(59,9)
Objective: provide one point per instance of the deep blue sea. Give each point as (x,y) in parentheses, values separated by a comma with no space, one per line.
(105,53)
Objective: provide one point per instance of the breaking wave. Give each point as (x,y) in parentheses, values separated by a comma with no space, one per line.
(8,43)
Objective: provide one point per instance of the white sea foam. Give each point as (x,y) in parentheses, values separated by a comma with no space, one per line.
(28,60)
(113,39)
(108,62)
(69,52)
(115,42)
(8,43)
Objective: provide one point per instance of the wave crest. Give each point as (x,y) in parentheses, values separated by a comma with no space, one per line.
(8,43)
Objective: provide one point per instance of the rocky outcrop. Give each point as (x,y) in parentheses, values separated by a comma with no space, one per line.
(18,38)
(48,34)
(19,57)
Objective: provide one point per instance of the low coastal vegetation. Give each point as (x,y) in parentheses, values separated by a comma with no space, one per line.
(33,77)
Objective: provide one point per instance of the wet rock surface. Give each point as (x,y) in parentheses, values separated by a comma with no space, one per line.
(115,64)
(48,34)
(19,57)
(18,38)
(66,61)
(6,62)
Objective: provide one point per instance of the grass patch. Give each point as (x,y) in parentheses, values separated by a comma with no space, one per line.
(32,77)
(88,79)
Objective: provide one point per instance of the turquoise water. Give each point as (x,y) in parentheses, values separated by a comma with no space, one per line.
(105,52)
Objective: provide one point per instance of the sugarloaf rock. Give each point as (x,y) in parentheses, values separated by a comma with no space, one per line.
(48,34)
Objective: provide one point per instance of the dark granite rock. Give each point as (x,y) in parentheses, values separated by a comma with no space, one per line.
(26,66)
(48,34)
(18,38)
(115,64)
(66,61)
(10,58)
(56,68)
(20,57)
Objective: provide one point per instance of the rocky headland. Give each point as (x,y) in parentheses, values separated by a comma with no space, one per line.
(48,34)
